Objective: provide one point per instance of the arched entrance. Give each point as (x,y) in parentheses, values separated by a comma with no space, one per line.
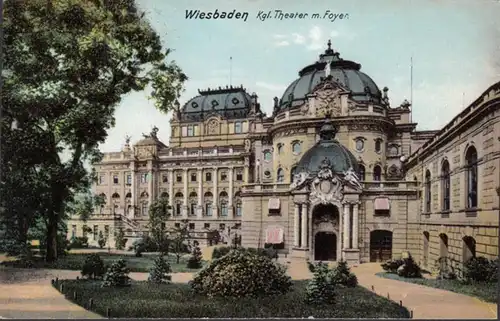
(325,248)
(380,245)
(325,222)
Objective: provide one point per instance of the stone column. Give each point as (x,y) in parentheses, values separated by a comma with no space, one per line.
(150,186)
(341,233)
(296,226)
(346,226)
(133,175)
(171,187)
(186,205)
(355,234)
(200,193)
(231,193)
(246,171)
(215,211)
(304,242)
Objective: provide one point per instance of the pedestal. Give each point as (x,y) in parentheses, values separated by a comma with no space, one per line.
(351,256)
(300,253)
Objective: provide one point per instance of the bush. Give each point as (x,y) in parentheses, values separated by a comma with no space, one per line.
(160,272)
(242,274)
(392,266)
(409,269)
(342,275)
(223,250)
(102,240)
(79,242)
(120,240)
(321,289)
(93,267)
(480,269)
(447,269)
(117,275)
(194,261)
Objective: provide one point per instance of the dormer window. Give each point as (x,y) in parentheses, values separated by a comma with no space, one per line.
(194,104)
(190,131)
(237,127)
(235,101)
(215,103)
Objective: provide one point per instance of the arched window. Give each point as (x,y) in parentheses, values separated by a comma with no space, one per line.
(223,201)
(280,176)
(445,183)
(361,173)
(237,199)
(378,145)
(267,156)
(193,202)
(377,173)
(164,195)
(144,195)
(279,148)
(360,144)
(468,248)
(178,203)
(129,195)
(144,208)
(471,166)
(427,191)
(208,198)
(115,196)
(293,171)
(296,148)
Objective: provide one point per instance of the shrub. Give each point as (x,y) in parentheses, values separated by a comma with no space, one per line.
(117,275)
(220,252)
(102,240)
(392,266)
(342,275)
(160,272)
(223,250)
(321,289)
(445,268)
(120,240)
(79,242)
(194,261)
(480,269)
(93,267)
(241,273)
(409,269)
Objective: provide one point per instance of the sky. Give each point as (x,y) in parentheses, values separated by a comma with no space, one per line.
(454,46)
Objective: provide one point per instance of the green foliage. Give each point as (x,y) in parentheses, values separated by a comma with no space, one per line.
(177,300)
(117,275)
(194,261)
(447,269)
(79,242)
(159,213)
(93,267)
(242,274)
(102,240)
(120,240)
(160,272)
(480,269)
(392,266)
(343,276)
(409,269)
(66,66)
(179,239)
(321,288)
(223,250)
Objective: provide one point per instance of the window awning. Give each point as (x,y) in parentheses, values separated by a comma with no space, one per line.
(382,204)
(274,235)
(274,204)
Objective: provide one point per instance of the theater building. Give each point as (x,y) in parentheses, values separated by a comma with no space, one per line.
(336,172)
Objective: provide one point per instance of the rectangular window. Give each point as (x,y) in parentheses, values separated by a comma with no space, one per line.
(190,131)
(144,178)
(238,210)
(177,225)
(73,231)
(115,179)
(96,232)
(208,177)
(237,127)
(192,209)
(164,178)
(191,226)
(206,225)
(223,176)
(178,178)
(178,209)
(208,209)
(144,209)
(193,177)
(101,179)
(129,179)
(239,177)
(184,131)
(223,210)
(222,226)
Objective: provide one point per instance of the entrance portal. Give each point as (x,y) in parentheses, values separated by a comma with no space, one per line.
(380,245)
(325,246)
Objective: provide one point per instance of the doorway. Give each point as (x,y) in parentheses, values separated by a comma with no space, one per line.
(380,245)
(325,246)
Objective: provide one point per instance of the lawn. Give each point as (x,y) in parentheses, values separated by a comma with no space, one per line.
(483,291)
(143,300)
(74,261)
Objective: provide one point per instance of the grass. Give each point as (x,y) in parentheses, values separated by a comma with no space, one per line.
(74,261)
(484,291)
(144,300)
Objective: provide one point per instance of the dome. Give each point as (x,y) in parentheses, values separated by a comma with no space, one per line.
(344,72)
(330,150)
(229,103)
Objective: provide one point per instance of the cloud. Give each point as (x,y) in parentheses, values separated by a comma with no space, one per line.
(313,40)
(298,38)
(282,43)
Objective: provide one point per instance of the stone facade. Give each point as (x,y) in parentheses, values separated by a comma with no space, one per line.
(230,167)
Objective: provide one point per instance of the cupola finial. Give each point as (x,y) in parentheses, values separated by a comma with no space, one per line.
(329,43)
(328,130)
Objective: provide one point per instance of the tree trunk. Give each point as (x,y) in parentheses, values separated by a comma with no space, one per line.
(51,245)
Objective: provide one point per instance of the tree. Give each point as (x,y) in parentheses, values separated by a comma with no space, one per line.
(160,272)
(120,240)
(67,64)
(159,213)
(194,261)
(83,205)
(102,240)
(179,238)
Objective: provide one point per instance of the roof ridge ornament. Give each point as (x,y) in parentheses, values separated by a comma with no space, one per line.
(328,130)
